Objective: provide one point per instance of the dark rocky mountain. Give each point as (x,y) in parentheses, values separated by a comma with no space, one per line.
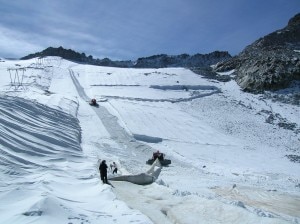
(77,57)
(270,63)
(156,61)
(183,60)
(64,53)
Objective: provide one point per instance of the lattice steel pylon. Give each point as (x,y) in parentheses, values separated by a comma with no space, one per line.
(39,61)
(16,79)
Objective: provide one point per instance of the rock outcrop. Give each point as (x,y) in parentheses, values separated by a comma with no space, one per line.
(270,63)
(183,60)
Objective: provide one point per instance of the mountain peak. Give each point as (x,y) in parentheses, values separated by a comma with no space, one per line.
(61,52)
(295,21)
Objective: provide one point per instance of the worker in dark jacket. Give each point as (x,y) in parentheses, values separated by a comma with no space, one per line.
(103,171)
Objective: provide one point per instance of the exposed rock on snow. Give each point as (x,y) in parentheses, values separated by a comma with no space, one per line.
(209,73)
(271,62)
(183,60)
(294,158)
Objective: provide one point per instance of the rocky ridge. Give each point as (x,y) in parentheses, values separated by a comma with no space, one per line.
(155,61)
(183,60)
(72,55)
(270,63)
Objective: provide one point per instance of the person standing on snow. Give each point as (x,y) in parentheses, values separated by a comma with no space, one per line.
(103,171)
(115,168)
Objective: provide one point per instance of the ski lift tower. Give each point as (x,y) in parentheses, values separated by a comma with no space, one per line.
(39,61)
(16,77)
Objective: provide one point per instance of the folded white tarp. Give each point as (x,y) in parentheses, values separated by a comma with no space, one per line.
(143,178)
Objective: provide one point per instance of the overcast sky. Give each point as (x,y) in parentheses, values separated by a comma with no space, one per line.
(128,29)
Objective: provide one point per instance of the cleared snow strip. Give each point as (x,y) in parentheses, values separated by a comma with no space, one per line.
(78,87)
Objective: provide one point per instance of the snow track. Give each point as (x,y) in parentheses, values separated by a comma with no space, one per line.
(135,152)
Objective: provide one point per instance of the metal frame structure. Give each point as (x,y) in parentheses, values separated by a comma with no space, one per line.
(16,78)
(39,61)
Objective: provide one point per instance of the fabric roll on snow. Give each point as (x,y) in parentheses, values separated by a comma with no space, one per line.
(143,178)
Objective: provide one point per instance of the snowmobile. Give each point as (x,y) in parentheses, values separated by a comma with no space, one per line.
(94,103)
(160,157)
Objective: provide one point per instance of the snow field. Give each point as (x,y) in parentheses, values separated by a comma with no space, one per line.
(228,165)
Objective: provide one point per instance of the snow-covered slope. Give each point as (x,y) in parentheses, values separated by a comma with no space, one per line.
(230,151)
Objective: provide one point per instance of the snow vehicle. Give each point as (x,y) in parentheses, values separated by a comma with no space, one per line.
(94,103)
(160,157)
